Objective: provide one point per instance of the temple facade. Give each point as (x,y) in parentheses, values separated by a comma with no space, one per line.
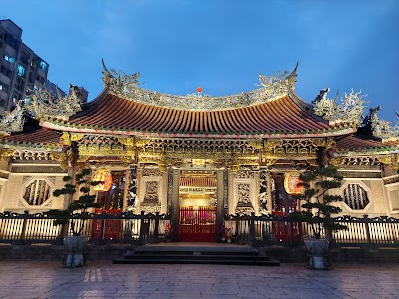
(197,158)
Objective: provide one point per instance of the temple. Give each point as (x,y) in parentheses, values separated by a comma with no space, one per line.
(197,158)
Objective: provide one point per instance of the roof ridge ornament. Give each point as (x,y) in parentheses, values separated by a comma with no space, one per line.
(125,86)
(281,82)
(114,81)
(41,103)
(350,109)
(372,125)
(13,121)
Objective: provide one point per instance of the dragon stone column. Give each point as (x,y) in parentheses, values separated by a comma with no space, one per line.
(265,190)
(132,188)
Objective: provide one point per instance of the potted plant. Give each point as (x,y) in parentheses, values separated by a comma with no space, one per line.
(76,243)
(318,205)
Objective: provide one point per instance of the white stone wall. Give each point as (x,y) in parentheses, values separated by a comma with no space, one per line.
(14,188)
(376,194)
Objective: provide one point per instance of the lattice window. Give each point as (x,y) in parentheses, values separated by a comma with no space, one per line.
(355,196)
(37,192)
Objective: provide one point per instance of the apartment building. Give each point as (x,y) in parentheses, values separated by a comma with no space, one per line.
(20,67)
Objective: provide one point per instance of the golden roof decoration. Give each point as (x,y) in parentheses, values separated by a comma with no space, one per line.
(383,129)
(13,121)
(41,103)
(125,86)
(350,108)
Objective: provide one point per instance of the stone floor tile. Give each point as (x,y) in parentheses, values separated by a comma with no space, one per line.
(30,279)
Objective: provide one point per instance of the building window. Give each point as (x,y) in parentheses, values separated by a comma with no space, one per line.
(5,71)
(20,84)
(37,192)
(40,79)
(43,65)
(17,96)
(4,87)
(12,42)
(25,57)
(9,59)
(355,196)
(21,70)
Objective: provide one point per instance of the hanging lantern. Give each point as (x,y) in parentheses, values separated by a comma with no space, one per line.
(291,180)
(105,178)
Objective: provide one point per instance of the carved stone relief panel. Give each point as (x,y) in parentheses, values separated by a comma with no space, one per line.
(151,172)
(151,192)
(243,194)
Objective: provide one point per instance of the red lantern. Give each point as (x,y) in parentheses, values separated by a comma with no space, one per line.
(291,180)
(199,89)
(105,178)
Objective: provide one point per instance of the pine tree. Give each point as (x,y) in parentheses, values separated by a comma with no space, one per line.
(84,202)
(317,202)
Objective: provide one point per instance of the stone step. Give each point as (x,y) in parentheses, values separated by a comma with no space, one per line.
(159,260)
(196,254)
(191,252)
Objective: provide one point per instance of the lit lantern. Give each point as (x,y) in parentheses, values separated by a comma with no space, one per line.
(291,180)
(105,178)
(199,89)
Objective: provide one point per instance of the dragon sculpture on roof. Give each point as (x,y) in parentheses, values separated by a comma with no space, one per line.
(125,86)
(13,121)
(41,103)
(350,108)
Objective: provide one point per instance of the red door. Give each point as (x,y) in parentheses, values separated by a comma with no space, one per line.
(112,227)
(197,224)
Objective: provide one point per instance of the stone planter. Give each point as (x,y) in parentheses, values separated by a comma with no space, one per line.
(75,249)
(318,253)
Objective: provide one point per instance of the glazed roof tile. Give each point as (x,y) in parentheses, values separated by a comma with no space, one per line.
(356,143)
(283,115)
(38,136)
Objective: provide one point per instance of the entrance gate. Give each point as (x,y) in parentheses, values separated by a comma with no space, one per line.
(197,224)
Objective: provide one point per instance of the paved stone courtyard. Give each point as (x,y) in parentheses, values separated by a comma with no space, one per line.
(38,279)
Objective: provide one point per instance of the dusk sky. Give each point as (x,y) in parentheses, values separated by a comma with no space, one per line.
(221,46)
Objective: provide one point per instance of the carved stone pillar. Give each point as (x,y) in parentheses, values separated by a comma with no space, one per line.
(170,191)
(126,190)
(220,202)
(131,202)
(175,204)
(265,191)
(226,188)
(72,157)
(269,191)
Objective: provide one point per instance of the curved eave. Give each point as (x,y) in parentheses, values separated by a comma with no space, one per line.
(149,134)
(285,117)
(357,145)
(39,139)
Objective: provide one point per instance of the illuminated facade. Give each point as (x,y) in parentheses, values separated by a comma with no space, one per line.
(183,154)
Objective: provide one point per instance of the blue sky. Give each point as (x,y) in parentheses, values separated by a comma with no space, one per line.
(221,46)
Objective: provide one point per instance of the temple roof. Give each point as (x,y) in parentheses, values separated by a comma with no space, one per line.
(37,138)
(359,144)
(286,116)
